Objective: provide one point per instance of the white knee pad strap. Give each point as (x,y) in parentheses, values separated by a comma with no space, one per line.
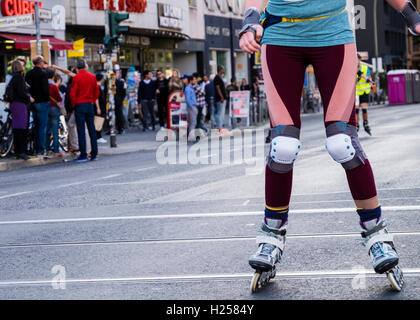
(285,147)
(344,146)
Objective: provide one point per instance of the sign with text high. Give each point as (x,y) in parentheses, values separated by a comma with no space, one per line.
(138,6)
(10,8)
(11,22)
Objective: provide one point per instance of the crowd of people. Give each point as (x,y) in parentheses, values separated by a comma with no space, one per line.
(42,94)
(206,98)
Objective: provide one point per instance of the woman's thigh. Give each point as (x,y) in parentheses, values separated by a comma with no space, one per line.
(335,70)
(284,75)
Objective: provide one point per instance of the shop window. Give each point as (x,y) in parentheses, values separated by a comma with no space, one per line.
(169,57)
(161,57)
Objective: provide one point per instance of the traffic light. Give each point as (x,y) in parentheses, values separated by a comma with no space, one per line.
(115,19)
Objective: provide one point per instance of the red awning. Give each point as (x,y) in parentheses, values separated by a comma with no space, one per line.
(22,41)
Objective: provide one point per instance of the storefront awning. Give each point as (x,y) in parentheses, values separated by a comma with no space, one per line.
(22,41)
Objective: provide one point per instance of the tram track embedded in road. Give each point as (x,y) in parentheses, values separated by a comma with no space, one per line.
(191,240)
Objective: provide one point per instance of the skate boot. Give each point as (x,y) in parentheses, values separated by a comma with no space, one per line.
(382,252)
(358,127)
(367,128)
(271,244)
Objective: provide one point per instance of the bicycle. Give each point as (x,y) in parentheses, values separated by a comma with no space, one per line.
(6,135)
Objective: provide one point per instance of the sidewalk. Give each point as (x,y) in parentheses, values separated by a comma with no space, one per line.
(133,141)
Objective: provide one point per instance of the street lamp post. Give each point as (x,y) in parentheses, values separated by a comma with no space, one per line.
(38,29)
(111,81)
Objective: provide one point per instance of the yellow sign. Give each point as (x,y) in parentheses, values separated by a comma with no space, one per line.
(79,49)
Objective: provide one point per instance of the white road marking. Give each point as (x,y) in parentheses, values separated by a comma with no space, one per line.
(246,203)
(72,184)
(110,177)
(15,194)
(347,191)
(222,276)
(145,169)
(201,215)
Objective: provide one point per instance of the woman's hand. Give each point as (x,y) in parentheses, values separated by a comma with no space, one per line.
(250,42)
(31,99)
(418,29)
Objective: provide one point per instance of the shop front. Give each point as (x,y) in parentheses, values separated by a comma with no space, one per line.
(156,29)
(222,47)
(16,38)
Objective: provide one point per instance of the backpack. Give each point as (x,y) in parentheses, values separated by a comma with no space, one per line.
(9,95)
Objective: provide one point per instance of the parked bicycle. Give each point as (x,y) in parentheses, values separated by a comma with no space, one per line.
(6,135)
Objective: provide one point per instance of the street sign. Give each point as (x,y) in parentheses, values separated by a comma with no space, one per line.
(45,14)
(16,21)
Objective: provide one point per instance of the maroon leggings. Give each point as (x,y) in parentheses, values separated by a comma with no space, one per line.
(335,69)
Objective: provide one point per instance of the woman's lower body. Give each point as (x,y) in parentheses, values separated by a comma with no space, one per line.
(20,125)
(335,69)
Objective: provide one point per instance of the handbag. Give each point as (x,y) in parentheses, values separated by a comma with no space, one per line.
(99,123)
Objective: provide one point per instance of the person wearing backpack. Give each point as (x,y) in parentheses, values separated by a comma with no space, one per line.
(19,98)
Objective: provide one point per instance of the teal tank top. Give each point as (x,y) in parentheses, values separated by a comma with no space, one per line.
(330,31)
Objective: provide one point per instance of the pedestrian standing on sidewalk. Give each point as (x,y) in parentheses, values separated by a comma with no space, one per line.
(162,93)
(119,102)
(175,83)
(244,85)
(200,94)
(100,110)
(191,100)
(220,98)
(84,93)
(19,110)
(53,114)
(147,98)
(291,35)
(39,89)
(210,92)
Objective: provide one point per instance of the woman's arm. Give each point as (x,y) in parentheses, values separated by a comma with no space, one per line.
(410,14)
(252,31)
(65,71)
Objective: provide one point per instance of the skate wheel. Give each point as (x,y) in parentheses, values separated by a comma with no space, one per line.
(255,282)
(395,277)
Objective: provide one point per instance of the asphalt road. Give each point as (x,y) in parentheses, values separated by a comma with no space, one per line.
(127,227)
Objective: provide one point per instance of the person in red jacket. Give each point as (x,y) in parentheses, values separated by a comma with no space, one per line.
(53,114)
(83,95)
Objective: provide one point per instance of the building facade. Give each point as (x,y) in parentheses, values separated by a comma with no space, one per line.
(391,34)
(223,21)
(161,32)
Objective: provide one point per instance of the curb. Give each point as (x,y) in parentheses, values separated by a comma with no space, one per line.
(35,162)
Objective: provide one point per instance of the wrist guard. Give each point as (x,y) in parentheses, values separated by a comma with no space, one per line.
(411,17)
(252,17)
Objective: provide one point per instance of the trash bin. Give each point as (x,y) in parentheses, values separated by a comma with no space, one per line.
(401,86)
(416,86)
